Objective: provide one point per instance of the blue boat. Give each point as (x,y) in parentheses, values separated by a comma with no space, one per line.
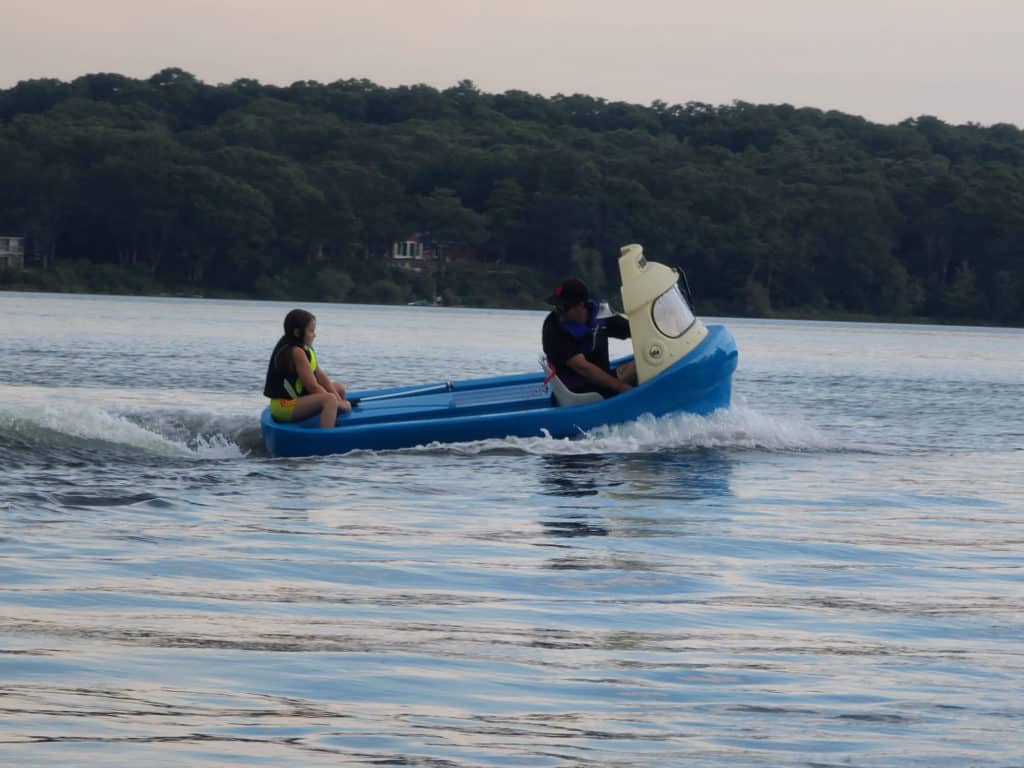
(682,365)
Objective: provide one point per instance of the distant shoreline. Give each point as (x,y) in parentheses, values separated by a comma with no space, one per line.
(809,316)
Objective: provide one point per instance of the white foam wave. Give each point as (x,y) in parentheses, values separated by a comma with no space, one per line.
(89,422)
(736,428)
(232,433)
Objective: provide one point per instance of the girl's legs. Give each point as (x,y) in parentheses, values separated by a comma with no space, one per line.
(326,404)
(339,387)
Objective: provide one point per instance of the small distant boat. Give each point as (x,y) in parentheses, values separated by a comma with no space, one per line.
(682,365)
(437,302)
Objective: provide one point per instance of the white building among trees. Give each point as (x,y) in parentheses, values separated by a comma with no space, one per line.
(12,252)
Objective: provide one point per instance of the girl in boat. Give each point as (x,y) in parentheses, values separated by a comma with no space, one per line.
(296,385)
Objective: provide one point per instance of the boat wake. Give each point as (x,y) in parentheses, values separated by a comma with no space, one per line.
(736,428)
(48,430)
(93,429)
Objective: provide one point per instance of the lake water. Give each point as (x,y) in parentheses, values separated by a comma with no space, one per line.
(830,573)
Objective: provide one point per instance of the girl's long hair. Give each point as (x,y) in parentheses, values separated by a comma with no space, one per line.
(296,320)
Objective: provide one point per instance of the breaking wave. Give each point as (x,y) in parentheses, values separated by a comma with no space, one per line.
(89,429)
(737,428)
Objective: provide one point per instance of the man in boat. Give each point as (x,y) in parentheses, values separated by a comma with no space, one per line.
(575,338)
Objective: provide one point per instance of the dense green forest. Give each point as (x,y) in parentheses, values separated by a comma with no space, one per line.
(173,185)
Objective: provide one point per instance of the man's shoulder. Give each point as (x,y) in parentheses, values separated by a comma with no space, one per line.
(554,337)
(551,324)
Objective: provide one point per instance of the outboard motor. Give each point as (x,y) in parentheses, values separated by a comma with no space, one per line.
(662,325)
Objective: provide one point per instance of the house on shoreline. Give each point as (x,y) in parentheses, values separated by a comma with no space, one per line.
(419,252)
(12,252)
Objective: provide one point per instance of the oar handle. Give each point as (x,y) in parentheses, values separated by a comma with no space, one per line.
(448,386)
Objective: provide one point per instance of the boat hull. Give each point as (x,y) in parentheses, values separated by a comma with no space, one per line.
(507,406)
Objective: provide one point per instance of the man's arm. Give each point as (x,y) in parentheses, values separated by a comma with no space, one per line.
(595,375)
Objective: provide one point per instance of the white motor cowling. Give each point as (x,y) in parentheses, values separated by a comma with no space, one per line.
(662,325)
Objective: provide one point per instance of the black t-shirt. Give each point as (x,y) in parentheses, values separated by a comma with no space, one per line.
(560,346)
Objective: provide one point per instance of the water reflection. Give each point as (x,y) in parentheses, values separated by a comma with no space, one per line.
(702,476)
(573,527)
(611,495)
(683,476)
(576,476)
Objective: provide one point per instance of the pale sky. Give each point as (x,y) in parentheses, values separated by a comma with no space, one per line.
(884,59)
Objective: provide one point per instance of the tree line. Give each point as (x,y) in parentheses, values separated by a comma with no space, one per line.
(247,189)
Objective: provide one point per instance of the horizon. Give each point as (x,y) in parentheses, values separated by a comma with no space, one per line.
(882,61)
(441,88)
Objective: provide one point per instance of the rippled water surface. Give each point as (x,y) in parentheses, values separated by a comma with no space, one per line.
(830,573)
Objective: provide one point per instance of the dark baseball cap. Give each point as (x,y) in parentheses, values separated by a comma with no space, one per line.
(569,293)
